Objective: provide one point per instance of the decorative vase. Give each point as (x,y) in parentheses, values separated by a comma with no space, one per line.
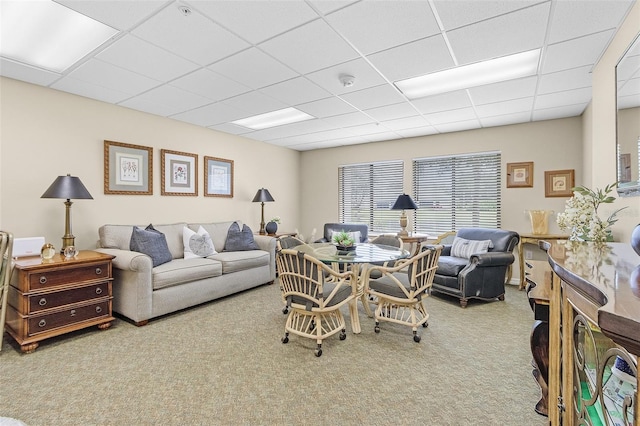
(539,221)
(635,239)
(271,228)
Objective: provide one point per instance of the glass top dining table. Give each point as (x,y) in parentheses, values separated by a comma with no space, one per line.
(359,258)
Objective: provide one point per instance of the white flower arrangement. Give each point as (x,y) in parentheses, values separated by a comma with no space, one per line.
(580,216)
(276,219)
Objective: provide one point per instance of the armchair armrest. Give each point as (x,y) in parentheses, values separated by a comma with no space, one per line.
(492,259)
(129,260)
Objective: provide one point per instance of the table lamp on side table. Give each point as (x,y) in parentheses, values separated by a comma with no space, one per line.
(404,202)
(67,187)
(262,196)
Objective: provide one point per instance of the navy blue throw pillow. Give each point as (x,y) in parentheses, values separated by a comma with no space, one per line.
(238,240)
(151,242)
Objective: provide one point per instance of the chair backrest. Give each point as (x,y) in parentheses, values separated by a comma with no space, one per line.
(388,240)
(330,228)
(288,242)
(502,240)
(6,266)
(308,281)
(422,268)
(445,238)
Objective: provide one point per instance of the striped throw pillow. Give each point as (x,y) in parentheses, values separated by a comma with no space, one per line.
(465,248)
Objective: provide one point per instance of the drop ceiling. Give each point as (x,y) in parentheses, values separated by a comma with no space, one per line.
(221,61)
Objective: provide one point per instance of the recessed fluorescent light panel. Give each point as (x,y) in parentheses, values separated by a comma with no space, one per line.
(273,119)
(493,71)
(48,35)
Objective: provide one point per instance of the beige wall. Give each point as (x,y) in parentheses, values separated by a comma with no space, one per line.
(46,133)
(551,145)
(600,126)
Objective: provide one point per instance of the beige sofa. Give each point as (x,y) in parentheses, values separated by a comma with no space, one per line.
(142,292)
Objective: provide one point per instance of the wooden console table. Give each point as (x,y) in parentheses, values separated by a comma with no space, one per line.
(533,239)
(594,333)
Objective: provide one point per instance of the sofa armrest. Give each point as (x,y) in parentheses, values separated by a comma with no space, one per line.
(492,259)
(268,244)
(129,260)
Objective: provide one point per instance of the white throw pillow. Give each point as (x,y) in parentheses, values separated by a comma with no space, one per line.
(465,248)
(197,244)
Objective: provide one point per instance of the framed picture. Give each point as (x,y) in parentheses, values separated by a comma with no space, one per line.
(218,177)
(127,169)
(559,183)
(520,175)
(179,171)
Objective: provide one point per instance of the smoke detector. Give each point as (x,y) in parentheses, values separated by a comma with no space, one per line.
(347,80)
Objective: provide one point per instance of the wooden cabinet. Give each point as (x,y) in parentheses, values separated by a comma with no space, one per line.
(594,334)
(49,298)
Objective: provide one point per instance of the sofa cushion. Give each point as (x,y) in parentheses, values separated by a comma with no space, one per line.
(180,271)
(151,242)
(234,261)
(197,244)
(465,248)
(115,236)
(238,240)
(173,232)
(450,265)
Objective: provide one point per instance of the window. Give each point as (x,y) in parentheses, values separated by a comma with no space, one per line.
(366,193)
(457,191)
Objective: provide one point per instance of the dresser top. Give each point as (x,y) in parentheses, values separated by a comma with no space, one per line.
(608,275)
(83,256)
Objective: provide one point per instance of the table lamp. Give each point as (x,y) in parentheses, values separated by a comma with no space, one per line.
(404,202)
(67,187)
(262,196)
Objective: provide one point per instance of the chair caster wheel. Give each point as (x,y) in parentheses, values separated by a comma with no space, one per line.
(343,335)
(376,329)
(318,352)
(425,325)
(285,339)
(416,338)
(285,310)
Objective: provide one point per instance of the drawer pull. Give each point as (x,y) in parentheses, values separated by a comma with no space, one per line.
(42,323)
(42,302)
(98,290)
(43,280)
(98,271)
(98,309)
(73,312)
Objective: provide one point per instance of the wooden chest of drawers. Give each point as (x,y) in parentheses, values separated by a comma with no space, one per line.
(49,298)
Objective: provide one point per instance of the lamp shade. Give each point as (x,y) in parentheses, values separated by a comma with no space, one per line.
(404,202)
(263,196)
(68,187)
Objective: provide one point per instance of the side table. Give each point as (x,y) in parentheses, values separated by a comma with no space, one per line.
(415,240)
(534,239)
(52,297)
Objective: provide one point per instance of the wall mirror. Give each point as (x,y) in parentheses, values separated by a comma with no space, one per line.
(628,121)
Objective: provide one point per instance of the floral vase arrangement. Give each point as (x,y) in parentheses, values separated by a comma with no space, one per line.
(272,225)
(581,218)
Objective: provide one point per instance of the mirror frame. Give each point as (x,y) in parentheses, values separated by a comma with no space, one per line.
(631,188)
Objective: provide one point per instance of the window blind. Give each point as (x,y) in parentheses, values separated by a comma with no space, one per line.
(459,191)
(367,191)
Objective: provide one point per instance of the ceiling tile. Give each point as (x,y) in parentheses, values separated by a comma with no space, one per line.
(231,128)
(630,88)
(327,6)
(372,26)
(367,129)
(253,68)
(211,115)
(575,53)
(365,76)
(507,90)
(121,15)
(326,107)
(347,120)
(309,48)
(141,104)
(391,112)
(257,21)
(112,77)
(458,126)
(573,19)
(139,56)
(462,114)
(417,131)
(400,124)
(193,37)
(559,112)
(15,70)
(288,130)
(507,119)
(373,97)
(454,14)
(568,97)
(177,100)
(210,85)
(443,102)
(254,103)
(506,107)
(563,80)
(296,91)
(413,59)
(89,90)
(504,35)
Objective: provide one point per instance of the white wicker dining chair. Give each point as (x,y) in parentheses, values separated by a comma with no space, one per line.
(314,293)
(400,296)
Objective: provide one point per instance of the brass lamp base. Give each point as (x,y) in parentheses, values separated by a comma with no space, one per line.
(403,225)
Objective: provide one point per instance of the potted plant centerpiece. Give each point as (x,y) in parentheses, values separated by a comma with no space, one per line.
(344,241)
